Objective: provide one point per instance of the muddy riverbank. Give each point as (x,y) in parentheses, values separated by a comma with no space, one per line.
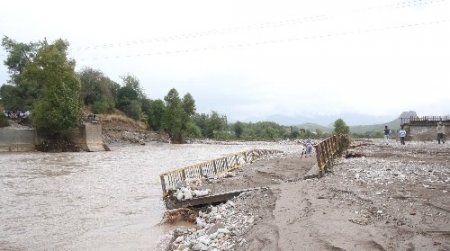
(389,198)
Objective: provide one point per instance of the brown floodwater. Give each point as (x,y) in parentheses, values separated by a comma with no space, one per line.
(93,201)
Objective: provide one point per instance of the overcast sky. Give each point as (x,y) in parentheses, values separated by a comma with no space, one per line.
(255,59)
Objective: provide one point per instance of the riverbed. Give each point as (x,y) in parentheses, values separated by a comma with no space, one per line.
(96,200)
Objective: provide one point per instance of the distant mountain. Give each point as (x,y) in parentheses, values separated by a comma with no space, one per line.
(313,127)
(326,120)
(359,123)
(393,125)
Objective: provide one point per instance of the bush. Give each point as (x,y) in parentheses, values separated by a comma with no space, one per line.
(193,130)
(102,107)
(3,120)
(133,109)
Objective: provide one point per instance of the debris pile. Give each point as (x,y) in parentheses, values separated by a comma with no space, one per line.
(218,227)
(180,214)
(189,189)
(186,193)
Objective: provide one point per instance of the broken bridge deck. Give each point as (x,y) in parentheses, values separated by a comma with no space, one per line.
(172,203)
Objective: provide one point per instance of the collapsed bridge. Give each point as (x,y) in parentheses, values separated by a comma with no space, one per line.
(173,180)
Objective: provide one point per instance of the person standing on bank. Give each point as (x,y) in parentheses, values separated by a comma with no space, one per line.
(402,135)
(440,132)
(309,148)
(387,134)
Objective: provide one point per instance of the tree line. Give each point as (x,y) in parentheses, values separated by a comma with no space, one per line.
(43,80)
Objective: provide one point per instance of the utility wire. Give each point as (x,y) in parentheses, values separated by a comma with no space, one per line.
(273,24)
(276,41)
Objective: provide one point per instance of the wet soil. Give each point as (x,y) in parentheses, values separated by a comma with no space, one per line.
(270,171)
(386,198)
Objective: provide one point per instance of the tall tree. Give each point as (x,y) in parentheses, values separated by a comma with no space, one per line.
(238,129)
(188,104)
(59,107)
(210,124)
(97,90)
(172,121)
(155,114)
(177,115)
(19,93)
(19,56)
(129,97)
(132,82)
(340,127)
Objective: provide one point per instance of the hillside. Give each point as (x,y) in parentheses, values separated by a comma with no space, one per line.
(362,129)
(372,129)
(314,126)
(118,128)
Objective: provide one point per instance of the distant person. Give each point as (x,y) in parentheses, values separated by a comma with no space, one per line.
(402,135)
(387,134)
(309,148)
(440,132)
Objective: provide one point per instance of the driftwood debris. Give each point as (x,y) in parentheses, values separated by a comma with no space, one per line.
(180,214)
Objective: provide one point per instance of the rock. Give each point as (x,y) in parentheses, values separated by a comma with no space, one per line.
(200,193)
(204,239)
(214,228)
(223,230)
(179,195)
(201,222)
(199,246)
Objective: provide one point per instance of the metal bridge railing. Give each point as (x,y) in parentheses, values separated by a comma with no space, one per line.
(424,119)
(328,149)
(212,168)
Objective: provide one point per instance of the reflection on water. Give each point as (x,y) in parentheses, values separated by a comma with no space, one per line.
(102,201)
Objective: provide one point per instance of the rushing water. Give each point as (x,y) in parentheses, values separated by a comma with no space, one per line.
(95,201)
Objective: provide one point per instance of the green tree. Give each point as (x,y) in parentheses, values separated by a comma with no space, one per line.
(340,127)
(188,105)
(19,93)
(193,130)
(294,132)
(177,115)
(172,119)
(133,110)
(3,120)
(238,129)
(155,114)
(146,106)
(97,90)
(19,56)
(210,124)
(130,97)
(59,107)
(127,99)
(217,123)
(132,82)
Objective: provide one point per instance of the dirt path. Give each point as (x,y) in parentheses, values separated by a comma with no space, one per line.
(394,198)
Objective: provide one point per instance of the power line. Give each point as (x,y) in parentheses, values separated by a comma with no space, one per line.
(276,41)
(235,29)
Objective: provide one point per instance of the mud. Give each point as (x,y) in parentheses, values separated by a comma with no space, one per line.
(394,198)
(382,198)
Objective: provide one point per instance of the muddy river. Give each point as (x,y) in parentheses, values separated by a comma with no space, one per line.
(97,201)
